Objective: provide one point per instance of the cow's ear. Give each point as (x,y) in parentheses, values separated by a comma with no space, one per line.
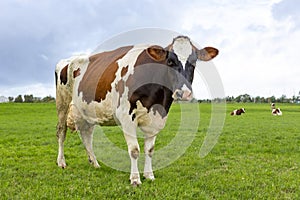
(207,53)
(157,53)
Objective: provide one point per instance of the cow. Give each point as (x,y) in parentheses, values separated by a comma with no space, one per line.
(276,111)
(131,86)
(238,111)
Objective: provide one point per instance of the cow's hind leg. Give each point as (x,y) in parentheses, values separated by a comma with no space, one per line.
(61,129)
(61,136)
(86,133)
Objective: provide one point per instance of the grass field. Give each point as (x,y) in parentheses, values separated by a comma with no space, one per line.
(257,157)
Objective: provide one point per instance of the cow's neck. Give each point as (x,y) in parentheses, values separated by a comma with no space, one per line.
(158,98)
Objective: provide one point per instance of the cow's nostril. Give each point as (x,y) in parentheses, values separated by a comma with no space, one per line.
(179,94)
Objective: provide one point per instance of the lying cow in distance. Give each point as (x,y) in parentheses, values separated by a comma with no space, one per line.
(238,111)
(133,86)
(276,111)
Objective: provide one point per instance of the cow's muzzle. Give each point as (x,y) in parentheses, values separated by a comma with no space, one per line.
(183,95)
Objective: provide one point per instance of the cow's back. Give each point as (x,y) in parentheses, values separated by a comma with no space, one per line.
(101,72)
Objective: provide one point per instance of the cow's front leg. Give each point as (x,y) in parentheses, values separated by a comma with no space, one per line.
(149,149)
(87,138)
(134,152)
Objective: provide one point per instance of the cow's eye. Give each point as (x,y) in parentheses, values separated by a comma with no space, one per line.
(170,62)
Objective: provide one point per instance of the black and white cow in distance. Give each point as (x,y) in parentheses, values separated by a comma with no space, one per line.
(133,86)
(238,111)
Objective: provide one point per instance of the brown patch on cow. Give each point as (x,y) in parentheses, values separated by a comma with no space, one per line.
(76,73)
(124,71)
(64,75)
(120,87)
(101,72)
(104,83)
(135,153)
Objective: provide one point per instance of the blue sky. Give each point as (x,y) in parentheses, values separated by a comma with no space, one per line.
(258,39)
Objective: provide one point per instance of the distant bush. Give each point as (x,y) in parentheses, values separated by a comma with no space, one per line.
(19,99)
(31,99)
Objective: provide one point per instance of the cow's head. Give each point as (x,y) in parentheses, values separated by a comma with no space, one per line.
(188,55)
(164,68)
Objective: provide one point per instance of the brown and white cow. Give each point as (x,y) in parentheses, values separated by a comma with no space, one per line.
(132,86)
(238,111)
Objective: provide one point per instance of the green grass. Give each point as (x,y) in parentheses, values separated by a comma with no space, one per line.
(257,157)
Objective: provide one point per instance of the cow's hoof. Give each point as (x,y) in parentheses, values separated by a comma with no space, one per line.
(63,166)
(149,176)
(136,183)
(135,180)
(61,163)
(94,163)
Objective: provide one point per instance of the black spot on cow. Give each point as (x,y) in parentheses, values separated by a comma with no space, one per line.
(55,78)
(64,75)
(133,117)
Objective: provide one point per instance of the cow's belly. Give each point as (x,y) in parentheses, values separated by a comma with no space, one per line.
(81,112)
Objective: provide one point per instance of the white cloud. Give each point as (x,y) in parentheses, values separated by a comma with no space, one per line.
(37,90)
(43,56)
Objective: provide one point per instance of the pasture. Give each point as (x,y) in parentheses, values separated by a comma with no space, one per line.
(257,157)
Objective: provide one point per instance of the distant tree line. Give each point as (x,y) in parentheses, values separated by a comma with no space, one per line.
(31,99)
(246,98)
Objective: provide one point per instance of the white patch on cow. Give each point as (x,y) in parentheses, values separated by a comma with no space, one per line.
(187,93)
(154,124)
(183,49)
(185,88)
(150,122)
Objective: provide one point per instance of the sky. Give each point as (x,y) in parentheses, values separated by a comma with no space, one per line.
(258,40)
